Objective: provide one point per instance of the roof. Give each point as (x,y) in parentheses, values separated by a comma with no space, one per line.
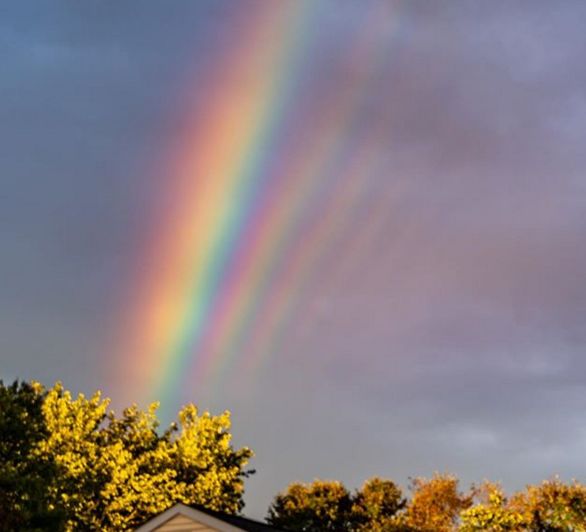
(217,520)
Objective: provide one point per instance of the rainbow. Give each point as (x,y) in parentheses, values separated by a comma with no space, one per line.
(261,191)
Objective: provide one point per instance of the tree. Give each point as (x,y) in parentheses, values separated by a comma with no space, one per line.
(24,475)
(493,512)
(328,505)
(435,505)
(553,506)
(321,505)
(376,505)
(113,473)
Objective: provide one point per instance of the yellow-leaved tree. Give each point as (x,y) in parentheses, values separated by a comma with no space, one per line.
(435,505)
(552,506)
(112,473)
(493,512)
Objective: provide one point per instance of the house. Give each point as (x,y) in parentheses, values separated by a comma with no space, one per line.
(182,518)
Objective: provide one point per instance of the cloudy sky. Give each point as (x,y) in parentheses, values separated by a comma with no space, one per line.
(443,326)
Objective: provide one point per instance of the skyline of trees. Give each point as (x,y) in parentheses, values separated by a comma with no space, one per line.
(436,504)
(69,463)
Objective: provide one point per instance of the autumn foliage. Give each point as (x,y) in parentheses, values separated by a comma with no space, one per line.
(436,505)
(71,464)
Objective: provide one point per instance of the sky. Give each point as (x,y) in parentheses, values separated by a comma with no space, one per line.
(418,299)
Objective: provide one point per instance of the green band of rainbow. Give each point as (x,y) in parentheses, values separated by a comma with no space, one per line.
(269,176)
